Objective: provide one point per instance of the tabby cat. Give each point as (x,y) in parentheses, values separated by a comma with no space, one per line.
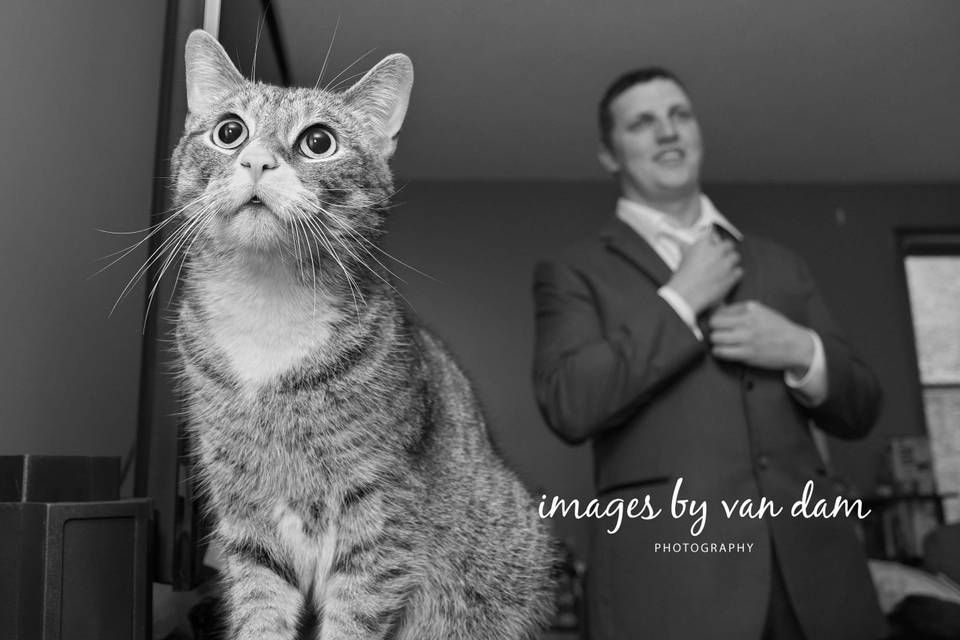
(349,469)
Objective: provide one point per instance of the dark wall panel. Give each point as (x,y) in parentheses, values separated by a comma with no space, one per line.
(78,123)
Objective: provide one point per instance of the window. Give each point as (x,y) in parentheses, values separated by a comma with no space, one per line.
(932,264)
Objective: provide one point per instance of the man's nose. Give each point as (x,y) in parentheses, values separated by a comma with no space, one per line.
(257,159)
(666,130)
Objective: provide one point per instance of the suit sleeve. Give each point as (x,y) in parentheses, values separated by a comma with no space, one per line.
(587,381)
(854,396)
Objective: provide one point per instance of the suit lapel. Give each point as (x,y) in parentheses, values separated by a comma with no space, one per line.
(749,285)
(625,242)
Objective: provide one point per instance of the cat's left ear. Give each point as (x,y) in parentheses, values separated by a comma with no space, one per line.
(382,96)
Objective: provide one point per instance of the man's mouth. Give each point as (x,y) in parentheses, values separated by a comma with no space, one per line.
(670,156)
(255,200)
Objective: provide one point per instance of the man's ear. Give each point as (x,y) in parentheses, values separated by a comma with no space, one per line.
(211,75)
(382,96)
(607,161)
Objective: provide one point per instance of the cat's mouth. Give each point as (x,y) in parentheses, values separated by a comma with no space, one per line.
(255,203)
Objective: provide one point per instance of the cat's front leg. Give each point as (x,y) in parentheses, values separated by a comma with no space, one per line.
(261,596)
(366,597)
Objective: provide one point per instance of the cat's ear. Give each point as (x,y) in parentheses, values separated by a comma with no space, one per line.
(210,73)
(382,96)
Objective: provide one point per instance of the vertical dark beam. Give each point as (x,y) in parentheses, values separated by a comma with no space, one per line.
(161,165)
(273,26)
(157,473)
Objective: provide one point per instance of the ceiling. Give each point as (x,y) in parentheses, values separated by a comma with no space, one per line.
(816,91)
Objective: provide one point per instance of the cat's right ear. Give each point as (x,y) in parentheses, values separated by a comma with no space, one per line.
(210,74)
(382,96)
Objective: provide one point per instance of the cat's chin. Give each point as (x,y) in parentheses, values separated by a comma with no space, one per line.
(254,228)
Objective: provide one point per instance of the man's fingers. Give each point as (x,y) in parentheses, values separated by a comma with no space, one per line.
(724,339)
(730,311)
(721,321)
(729,336)
(725,352)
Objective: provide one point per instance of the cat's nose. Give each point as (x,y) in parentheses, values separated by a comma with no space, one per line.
(257,160)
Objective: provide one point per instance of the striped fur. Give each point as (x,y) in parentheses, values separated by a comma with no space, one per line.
(347,462)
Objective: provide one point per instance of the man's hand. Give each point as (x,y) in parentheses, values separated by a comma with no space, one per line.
(706,274)
(754,334)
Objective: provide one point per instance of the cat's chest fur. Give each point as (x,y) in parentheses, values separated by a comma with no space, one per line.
(264,322)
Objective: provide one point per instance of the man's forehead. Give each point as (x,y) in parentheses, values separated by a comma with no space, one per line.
(656,95)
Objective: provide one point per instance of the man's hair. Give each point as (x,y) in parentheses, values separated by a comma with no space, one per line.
(620,85)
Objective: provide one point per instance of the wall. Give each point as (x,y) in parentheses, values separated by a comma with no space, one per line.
(479,242)
(78,124)
(800,92)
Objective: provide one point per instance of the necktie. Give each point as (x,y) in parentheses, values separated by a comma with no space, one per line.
(673,241)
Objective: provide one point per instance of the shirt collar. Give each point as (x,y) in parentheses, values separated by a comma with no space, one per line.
(648,222)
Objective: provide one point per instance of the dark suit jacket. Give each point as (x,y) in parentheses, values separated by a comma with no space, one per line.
(616,365)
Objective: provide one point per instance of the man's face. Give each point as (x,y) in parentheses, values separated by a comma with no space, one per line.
(655,144)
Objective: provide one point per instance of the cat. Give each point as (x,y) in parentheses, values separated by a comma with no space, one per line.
(347,464)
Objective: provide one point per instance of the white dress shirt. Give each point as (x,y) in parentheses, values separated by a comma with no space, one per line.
(670,240)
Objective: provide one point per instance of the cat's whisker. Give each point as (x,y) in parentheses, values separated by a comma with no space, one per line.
(314,256)
(163,248)
(194,229)
(335,217)
(364,206)
(368,243)
(297,258)
(326,58)
(151,259)
(126,233)
(347,68)
(322,237)
(184,254)
(389,255)
(256,44)
(346,81)
(298,226)
(155,229)
(362,242)
(183,259)
(313,266)
(127,250)
(364,263)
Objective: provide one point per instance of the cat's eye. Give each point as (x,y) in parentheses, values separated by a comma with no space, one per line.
(230,133)
(318,143)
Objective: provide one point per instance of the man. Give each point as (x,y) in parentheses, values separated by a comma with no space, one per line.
(685,350)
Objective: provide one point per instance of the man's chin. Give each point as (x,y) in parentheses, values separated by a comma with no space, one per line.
(681,183)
